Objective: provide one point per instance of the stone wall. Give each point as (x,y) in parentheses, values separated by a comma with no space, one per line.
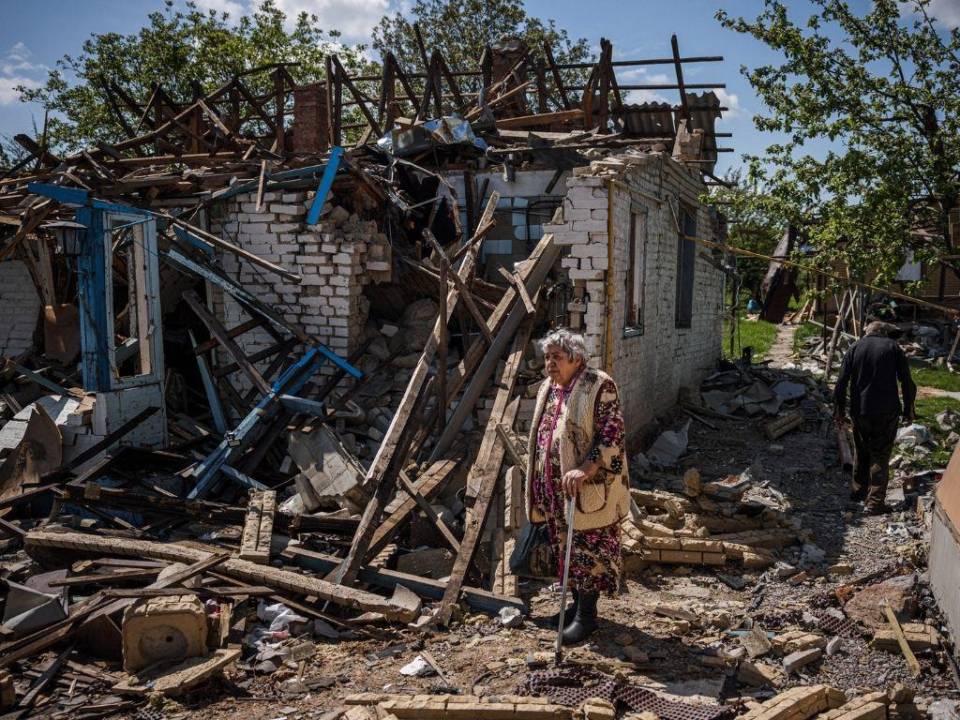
(19,308)
(650,366)
(336,258)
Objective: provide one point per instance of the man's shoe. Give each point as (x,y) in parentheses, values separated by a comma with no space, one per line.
(569,615)
(877,509)
(584,622)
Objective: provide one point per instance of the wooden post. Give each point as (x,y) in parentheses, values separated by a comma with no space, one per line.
(280,97)
(442,350)
(678,67)
(557,78)
(328,68)
(832,347)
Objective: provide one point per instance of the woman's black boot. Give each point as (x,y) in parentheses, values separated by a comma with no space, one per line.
(584,622)
(569,615)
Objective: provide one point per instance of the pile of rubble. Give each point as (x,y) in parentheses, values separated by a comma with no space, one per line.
(687,519)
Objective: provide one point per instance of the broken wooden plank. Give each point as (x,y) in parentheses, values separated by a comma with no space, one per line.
(480,361)
(476,598)
(428,510)
(231,248)
(215,591)
(429,484)
(396,442)
(258,527)
(510,446)
(553,118)
(179,678)
(465,293)
(486,470)
(517,283)
(107,442)
(782,425)
(43,540)
(48,674)
(908,655)
(217,329)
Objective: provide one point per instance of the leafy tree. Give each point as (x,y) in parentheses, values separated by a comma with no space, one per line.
(184,50)
(750,224)
(461,30)
(884,89)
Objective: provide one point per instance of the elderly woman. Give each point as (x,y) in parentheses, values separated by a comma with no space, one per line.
(577,450)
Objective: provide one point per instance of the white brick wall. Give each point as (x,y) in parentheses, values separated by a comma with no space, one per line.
(330,257)
(19,308)
(652,367)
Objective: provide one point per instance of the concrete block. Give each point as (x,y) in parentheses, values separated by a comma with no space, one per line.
(795,640)
(163,629)
(801,658)
(330,475)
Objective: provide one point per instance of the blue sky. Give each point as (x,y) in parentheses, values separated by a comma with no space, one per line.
(35,33)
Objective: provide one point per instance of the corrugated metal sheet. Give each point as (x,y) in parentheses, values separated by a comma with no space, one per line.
(655,120)
(704,113)
(649,120)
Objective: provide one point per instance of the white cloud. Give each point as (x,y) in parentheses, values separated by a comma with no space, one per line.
(8,88)
(945,11)
(17,60)
(231,7)
(646,96)
(354,18)
(642,76)
(731,101)
(17,69)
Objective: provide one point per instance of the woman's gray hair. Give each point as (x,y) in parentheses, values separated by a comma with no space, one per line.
(571,343)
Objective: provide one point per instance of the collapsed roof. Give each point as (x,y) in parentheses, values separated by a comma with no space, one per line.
(517,108)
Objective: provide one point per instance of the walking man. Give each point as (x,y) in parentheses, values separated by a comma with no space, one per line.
(871,369)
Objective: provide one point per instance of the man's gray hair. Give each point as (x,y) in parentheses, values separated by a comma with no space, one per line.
(571,343)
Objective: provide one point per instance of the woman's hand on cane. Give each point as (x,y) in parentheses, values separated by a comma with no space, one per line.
(574,479)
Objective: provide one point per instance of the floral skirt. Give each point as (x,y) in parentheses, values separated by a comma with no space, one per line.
(596,560)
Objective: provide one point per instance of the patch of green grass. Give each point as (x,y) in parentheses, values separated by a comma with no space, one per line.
(941,378)
(926,410)
(758,334)
(804,333)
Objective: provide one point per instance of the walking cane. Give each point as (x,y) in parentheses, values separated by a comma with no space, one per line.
(566,576)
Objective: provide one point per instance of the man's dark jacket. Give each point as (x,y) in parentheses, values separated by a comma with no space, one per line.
(872,368)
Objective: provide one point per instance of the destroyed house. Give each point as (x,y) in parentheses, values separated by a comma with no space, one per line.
(332,288)
(619,187)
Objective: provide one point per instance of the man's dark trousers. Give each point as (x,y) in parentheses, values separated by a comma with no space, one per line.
(873,437)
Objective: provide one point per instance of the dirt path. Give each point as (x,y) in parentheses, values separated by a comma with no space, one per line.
(781,352)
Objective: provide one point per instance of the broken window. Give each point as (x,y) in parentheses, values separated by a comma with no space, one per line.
(636,280)
(133,299)
(686,261)
(519,227)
